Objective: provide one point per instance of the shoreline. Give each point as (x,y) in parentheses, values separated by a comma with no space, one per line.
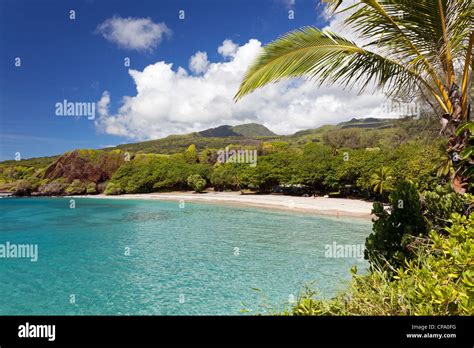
(335,207)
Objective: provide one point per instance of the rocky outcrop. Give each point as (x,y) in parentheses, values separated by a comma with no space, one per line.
(85,165)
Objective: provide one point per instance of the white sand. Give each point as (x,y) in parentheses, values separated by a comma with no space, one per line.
(318,205)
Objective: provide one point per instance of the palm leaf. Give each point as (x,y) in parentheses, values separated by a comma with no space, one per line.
(409,31)
(329,58)
(411,46)
(465,126)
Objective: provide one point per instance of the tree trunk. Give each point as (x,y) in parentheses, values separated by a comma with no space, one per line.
(457,143)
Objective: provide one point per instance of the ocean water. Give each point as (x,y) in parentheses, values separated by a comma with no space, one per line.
(136,257)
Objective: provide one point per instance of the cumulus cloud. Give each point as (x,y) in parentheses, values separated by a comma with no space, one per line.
(198,63)
(172,101)
(103,104)
(140,34)
(228,49)
(337,25)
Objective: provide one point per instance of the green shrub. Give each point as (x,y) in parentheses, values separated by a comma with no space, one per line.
(393,230)
(225,177)
(274,169)
(91,188)
(157,173)
(191,155)
(440,204)
(53,188)
(113,189)
(439,280)
(196,182)
(76,188)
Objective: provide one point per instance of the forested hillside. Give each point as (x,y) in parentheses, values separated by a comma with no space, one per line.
(337,160)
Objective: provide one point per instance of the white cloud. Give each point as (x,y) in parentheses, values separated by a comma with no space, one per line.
(103,104)
(337,25)
(171,101)
(140,34)
(228,49)
(198,63)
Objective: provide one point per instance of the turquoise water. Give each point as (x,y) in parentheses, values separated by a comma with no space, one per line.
(182,261)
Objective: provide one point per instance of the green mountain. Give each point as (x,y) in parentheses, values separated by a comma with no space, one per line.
(245,130)
(253,130)
(249,134)
(221,131)
(178,143)
(371,123)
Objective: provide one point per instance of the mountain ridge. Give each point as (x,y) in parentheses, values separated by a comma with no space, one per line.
(245,129)
(247,134)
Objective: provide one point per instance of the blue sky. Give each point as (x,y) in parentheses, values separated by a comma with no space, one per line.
(75,60)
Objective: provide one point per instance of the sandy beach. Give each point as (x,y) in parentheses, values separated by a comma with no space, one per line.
(318,206)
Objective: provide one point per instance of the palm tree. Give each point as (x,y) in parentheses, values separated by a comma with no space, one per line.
(413,48)
(381,180)
(467,154)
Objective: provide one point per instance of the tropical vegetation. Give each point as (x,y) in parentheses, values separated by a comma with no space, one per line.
(413,50)
(306,163)
(421,251)
(418,171)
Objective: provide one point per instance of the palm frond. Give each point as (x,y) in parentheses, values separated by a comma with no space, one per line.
(408,31)
(329,58)
(414,46)
(333,5)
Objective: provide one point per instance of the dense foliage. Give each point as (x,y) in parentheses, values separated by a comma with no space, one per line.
(394,230)
(196,182)
(439,280)
(440,203)
(412,272)
(314,168)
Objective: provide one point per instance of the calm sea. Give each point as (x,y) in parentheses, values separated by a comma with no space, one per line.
(136,257)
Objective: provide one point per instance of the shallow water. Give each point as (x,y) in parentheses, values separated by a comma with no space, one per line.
(137,257)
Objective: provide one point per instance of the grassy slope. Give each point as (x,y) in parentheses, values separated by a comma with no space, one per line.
(251,136)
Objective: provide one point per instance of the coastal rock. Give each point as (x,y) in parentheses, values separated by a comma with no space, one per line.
(85,165)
